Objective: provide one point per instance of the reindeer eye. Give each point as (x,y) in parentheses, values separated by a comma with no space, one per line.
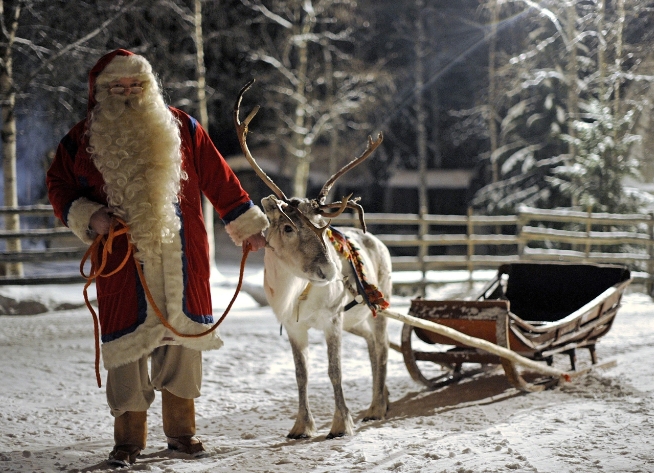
(288,229)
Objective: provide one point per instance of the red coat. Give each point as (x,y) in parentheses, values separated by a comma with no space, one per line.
(129,328)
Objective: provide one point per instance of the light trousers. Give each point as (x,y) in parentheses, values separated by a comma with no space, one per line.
(174,368)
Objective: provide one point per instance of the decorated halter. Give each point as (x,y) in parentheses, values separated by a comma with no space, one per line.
(371,295)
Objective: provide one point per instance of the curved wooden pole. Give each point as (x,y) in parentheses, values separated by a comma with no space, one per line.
(477,343)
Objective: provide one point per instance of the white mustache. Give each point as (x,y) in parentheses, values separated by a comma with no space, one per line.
(113,107)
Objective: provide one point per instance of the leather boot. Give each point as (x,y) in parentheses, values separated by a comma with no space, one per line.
(179,424)
(130,434)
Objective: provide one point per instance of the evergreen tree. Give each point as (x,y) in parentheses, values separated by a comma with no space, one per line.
(595,178)
(565,91)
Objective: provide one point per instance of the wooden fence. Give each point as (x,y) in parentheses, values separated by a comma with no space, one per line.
(429,242)
(46,241)
(471,242)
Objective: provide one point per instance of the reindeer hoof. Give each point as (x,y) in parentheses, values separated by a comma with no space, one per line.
(298,436)
(375,414)
(371,418)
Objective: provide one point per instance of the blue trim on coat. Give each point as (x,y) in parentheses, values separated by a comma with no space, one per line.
(110,337)
(141,301)
(193,126)
(237,212)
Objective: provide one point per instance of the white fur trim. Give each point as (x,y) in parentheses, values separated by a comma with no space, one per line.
(250,223)
(79,217)
(125,66)
(166,283)
(146,338)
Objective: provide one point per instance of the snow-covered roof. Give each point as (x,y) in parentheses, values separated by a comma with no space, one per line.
(436,178)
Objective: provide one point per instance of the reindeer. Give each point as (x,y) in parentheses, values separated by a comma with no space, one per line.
(310,285)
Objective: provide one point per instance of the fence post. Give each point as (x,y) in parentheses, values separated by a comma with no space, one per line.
(423,230)
(589,227)
(518,232)
(471,245)
(12,222)
(649,286)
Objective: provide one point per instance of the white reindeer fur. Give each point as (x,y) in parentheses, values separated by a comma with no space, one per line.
(287,276)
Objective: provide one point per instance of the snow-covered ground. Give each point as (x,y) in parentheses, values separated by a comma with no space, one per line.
(54,418)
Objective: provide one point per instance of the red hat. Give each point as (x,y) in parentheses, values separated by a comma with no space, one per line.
(116,65)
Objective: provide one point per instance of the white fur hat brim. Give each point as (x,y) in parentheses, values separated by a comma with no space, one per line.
(125,66)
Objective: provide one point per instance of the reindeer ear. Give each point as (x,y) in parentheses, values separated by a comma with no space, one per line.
(269,204)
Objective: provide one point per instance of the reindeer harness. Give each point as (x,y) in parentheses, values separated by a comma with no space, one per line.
(369,293)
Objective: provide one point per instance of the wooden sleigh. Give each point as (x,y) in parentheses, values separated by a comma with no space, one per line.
(537,310)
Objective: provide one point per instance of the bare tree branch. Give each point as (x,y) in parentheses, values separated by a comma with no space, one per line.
(268,14)
(77,43)
(182,12)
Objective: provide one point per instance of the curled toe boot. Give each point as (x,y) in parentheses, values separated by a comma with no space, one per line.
(190,445)
(124,455)
(179,424)
(130,433)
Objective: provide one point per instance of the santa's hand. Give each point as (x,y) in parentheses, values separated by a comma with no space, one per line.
(100,222)
(256,242)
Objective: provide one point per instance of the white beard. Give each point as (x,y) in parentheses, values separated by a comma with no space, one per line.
(135,144)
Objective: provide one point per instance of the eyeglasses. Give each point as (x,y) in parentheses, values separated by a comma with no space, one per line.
(119,90)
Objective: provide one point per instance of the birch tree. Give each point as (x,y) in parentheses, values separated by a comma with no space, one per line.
(10,16)
(312,81)
(192,20)
(184,68)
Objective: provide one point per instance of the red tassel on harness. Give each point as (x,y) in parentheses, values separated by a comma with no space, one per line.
(371,294)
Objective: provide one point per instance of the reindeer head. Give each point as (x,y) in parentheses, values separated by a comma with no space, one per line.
(295,237)
(297,225)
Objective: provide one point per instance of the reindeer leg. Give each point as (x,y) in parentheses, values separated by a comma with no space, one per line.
(379,405)
(380,329)
(378,353)
(305,426)
(342,423)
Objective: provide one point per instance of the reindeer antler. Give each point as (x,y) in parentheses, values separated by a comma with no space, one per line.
(349,204)
(346,202)
(283,202)
(342,205)
(372,145)
(242,131)
(316,229)
(319,202)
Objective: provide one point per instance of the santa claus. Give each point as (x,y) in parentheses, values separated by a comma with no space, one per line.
(135,158)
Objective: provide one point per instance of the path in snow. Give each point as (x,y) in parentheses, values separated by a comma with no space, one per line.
(54,418)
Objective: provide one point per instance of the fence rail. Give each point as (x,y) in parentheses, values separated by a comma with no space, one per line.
(485,242)
(53,243)
(426,243)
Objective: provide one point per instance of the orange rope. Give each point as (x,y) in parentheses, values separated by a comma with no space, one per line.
(97,267)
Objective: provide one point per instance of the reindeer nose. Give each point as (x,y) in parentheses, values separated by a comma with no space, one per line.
(325,273)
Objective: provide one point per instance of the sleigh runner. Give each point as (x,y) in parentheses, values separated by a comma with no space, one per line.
(537,310)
